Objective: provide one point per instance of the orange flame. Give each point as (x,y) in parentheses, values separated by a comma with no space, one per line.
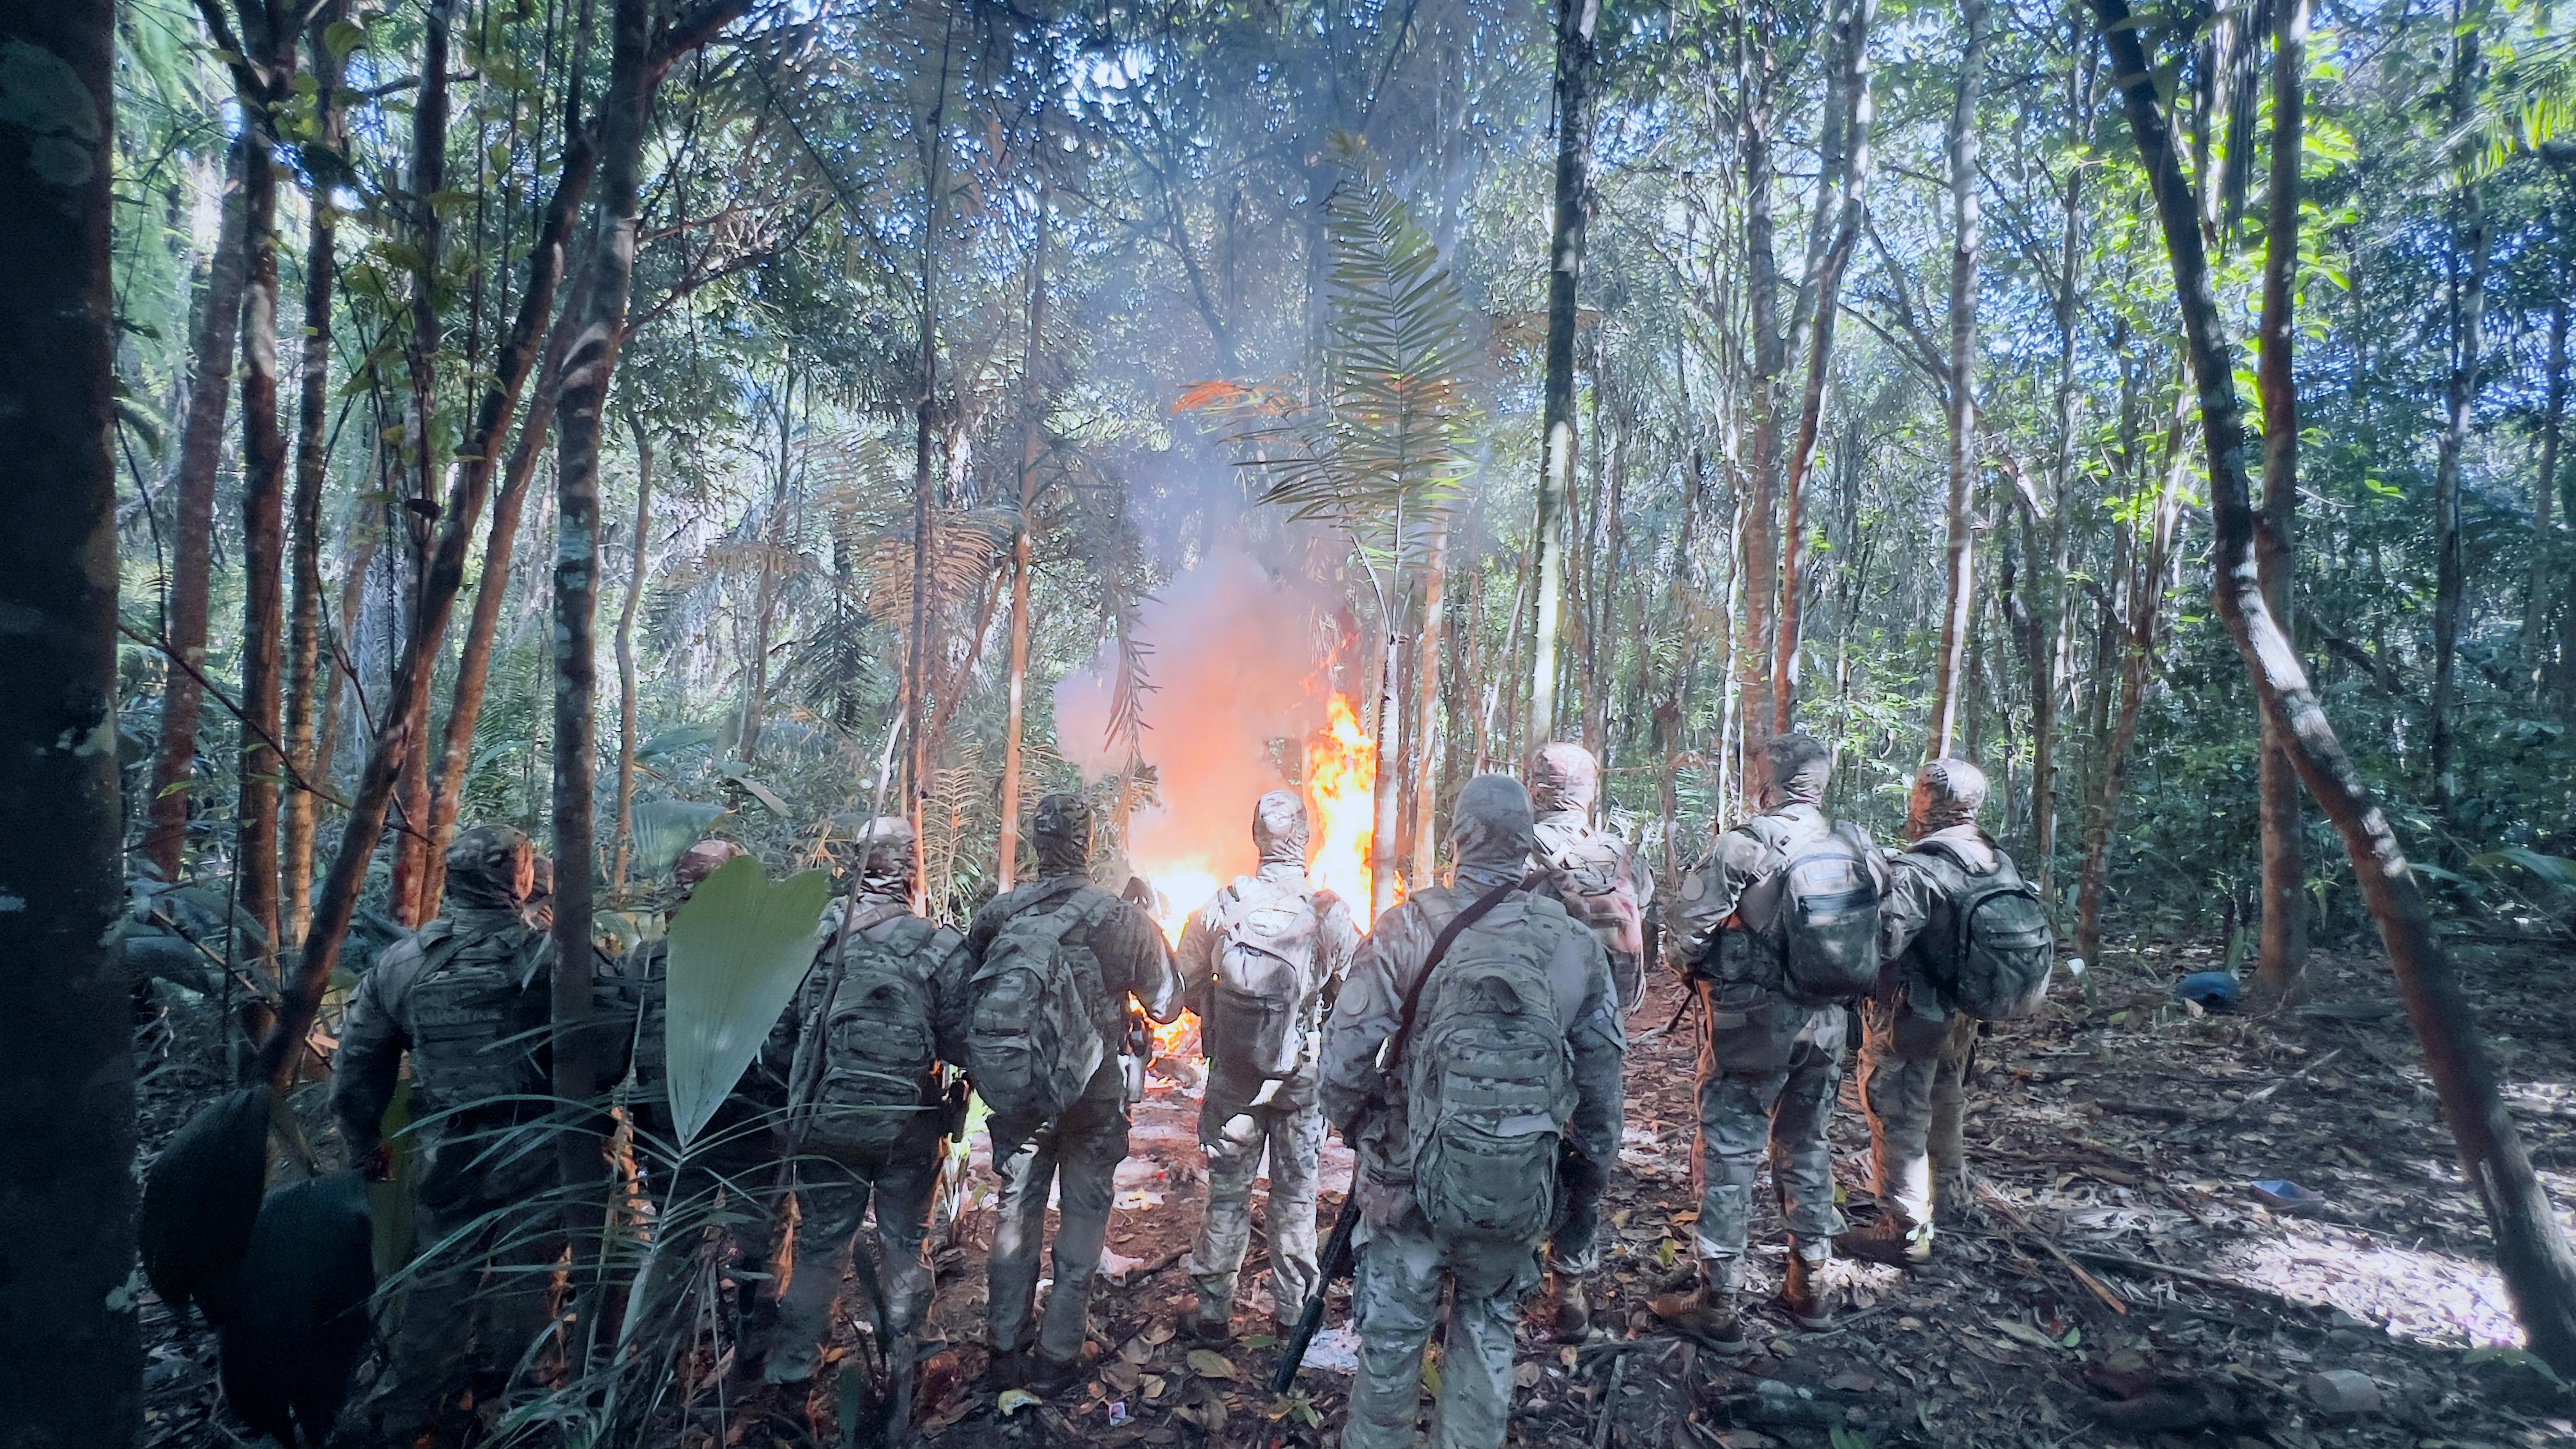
(1341,789)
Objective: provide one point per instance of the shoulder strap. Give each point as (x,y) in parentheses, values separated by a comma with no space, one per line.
(1439,950)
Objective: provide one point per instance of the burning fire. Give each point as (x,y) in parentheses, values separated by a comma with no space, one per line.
(1341,784)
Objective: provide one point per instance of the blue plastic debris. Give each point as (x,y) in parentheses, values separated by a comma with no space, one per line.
(2211,990)
(2284,1196)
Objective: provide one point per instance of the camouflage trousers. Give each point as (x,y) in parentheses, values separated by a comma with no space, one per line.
(481,1302)
(1768,1069)
(1292,1138)
(1396,1301)
(833,1194)
(1083,1149)
(1902,1029)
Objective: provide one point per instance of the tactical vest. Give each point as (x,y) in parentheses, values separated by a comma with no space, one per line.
(1589,871)
(479,1018)
(880,1044)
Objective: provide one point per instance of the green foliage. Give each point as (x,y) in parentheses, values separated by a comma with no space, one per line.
(737,951)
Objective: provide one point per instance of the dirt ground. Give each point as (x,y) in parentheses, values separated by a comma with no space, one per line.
(2114,1280)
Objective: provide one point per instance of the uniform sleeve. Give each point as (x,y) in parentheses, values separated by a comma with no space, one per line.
(953,1006)
(1905,909)
(1367,1012)
(1131,950)
(369,1063)
(1708,897)
(1600,1046)
(1194,960)
(1337,943)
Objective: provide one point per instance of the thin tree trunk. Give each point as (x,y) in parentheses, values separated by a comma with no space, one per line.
(2468,299)
(1426,703)
(626,652)
(201,447)
(1847,179)
(925,431)
(2282,958)
(304,597)
(70,1351)
(1023,536)
(1948,685)
(414,901)
(2532,1253)
(2544,496)
(1383,802)
(764,608)
(1577,22)
(2046,673)
(1758,564)
(516,362)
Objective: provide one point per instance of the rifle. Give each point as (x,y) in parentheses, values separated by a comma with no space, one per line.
(1338,1250)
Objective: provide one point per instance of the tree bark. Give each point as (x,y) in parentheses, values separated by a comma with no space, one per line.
(312,461)
(925,432)
(2282,959)
(2467,292)
(1577,25)
(1847,183)
(70,1347)
(2050,591)
(2532,1253)
(1948,682)
(1383,802)
(764,605)
(1426,703)
(626,652)
(201,447)
(415,893)
(1023,532)
(2544,496)
(512,367)
(1758,558)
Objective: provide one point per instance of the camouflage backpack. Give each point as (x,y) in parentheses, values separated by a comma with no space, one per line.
(1489,1081)
(1032,1046)
(479,1011)
(1817,908)
(1588,869)
(1994,960)
(1265,980)
(880,1045)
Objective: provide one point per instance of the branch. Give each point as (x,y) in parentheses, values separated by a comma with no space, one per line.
(691,31)
(285,761)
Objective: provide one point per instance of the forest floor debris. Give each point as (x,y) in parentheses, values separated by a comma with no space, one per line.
(2115,1280)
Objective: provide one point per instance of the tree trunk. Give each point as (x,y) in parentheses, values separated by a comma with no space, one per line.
(415,890)
(2282,960)
(70,1349)
(201,447)
(1426,704)
(1384,805)
(1023,531)
(312,460)
(1577,24)
(1948,684)
(2544,496)
(2467,292)
(1759,559)
(517,361)
(626,652)
(764,605)
(2532,1253)
(263,512)
(925,431)
(2046,679)
(1846,181)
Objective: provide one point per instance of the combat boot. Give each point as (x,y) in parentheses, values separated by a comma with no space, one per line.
(1573,1309)
(1211,1323)
(1705,1313)
(1049,1376)
(1890,1240)
(1812,1293)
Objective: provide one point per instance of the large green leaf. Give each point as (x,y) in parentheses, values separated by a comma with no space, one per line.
(664,828)
(738,950)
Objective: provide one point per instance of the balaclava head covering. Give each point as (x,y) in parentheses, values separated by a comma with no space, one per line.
(491,868)
(700,861)
(1565,778)
(880,850)
(1798,767)
(1279,828)
(1060,832)
(1491,831)
(1947,792)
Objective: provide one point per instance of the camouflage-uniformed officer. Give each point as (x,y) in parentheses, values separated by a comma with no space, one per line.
(1602,882)
(468,997)
(1905,1026)
(1403,1265)
(728,1178)
(1299,940)
(859,1145)
(1085,1144)
(1768,1068)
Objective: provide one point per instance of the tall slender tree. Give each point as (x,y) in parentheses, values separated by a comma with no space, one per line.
(2283,955)
(1967,237)
(1578,25)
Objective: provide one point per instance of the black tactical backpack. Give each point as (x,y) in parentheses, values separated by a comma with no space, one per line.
(1032,1046)
(1818,908)
(1994,960)
(879,1042)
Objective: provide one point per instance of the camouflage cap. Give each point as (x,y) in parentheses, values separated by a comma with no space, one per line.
(1564,777)
(490,866)
(700,861)
(1060,833)
(1492,828)
(1279,827)
(1946,792)
(1798,767)
(879,849)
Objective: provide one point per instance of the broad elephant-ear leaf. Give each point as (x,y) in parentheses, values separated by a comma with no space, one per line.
(738,950)
(664,828)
